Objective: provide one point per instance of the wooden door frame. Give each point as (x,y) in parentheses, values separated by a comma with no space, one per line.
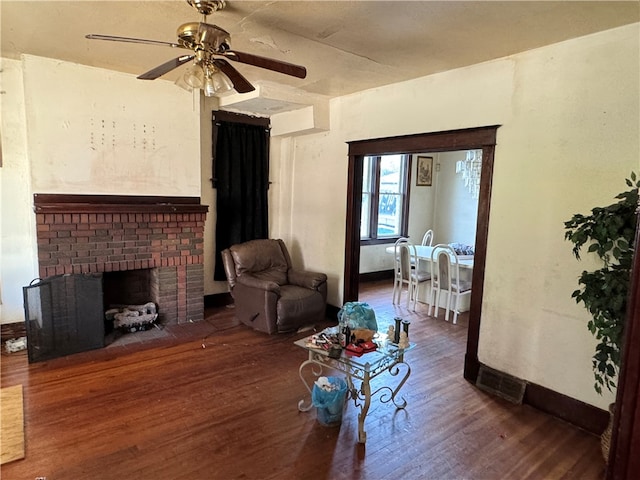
(483,138)
(624,461)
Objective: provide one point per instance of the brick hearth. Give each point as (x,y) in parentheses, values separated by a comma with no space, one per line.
(93,234)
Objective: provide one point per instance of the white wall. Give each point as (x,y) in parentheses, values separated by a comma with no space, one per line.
(18,257)
(456,210)
(102,132)
(568,144)
(208,195)
(74,129)
(569,136)
(423,203)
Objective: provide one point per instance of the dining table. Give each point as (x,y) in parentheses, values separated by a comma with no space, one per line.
(423,252)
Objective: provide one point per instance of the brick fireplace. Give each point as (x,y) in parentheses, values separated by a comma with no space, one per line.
(101,234)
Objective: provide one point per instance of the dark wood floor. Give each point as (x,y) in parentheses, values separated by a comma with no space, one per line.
(215,400)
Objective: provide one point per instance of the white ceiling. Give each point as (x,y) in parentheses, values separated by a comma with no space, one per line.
(346,46)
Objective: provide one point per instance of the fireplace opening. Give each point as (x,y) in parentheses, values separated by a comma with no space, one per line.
(127,287)
(130,300)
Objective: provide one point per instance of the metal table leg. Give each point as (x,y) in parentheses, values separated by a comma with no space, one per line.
(316,369)
(362,397)
(365,389)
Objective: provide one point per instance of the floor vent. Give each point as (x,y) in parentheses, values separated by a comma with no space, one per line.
(501,384)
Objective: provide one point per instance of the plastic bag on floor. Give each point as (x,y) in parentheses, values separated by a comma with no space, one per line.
(328,396)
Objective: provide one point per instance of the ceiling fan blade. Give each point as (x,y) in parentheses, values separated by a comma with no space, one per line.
(240,83)
(112,38)
(165,67)
(268,63)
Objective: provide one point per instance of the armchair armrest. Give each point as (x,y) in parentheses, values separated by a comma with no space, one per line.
(306,279)
(252,281)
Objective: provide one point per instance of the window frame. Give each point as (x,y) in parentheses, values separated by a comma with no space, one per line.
(375,199)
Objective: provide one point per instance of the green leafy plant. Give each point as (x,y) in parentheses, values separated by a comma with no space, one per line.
(609,232)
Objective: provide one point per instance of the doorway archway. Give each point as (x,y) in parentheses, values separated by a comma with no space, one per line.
(481,138)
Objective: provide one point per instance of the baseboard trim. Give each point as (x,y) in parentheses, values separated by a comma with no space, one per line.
(375,276)
(585,416)
(332,312)
(582,415)
(218,300)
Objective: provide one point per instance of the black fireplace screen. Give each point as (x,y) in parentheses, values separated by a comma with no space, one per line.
(64,315)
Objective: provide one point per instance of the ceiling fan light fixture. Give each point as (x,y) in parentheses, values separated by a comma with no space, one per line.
(216,82)
(194,76)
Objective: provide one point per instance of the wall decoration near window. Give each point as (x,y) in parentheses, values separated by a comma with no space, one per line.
(424,176)
(470,169)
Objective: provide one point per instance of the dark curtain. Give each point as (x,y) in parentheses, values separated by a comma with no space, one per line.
(241,177)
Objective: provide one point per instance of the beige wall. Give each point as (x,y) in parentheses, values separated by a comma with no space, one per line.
(456,209)
(18,257)
(96,131)
(423,201)
(569,136)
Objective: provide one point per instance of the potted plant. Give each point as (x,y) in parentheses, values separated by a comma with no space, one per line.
(609,232)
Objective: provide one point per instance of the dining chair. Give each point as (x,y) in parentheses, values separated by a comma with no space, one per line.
(397,273)
(427,239)
(445,277)
(411,275)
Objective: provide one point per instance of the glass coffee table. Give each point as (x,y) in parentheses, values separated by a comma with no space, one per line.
(387,358)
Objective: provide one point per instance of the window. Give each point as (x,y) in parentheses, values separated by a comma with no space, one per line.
(385,181)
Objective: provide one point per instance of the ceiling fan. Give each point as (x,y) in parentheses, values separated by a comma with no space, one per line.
(208,42)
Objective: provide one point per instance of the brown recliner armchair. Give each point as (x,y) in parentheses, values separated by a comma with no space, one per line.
(269,295)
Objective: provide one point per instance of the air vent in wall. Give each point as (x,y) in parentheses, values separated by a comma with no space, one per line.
(500,384)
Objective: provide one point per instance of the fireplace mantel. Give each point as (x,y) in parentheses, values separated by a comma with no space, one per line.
(62,203)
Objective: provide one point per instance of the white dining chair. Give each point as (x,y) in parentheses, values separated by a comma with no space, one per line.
(397,273)
(427,239)
(411,276)
(445,277)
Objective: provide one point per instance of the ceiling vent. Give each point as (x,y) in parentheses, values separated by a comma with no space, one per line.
(500,384)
